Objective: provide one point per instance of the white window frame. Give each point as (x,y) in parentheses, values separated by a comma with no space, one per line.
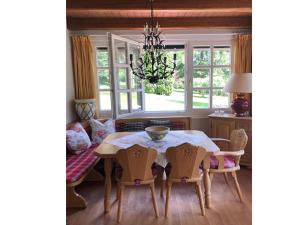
(191,67)
(99,90)
(117,113)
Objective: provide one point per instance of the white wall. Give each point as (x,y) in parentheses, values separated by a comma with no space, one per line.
(70,93)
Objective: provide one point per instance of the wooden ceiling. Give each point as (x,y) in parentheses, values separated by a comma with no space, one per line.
(170,14)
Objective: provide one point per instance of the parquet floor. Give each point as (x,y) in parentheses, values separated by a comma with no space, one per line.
(184,206)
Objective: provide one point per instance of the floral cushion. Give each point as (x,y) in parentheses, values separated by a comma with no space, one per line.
(101,130)
(77,139)
(228,162)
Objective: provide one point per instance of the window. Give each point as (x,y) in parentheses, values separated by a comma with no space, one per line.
(103,78)
(206,67)
(211,70)
(128,88)
(168,93)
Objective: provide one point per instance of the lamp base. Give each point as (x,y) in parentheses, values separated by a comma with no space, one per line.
(240,105)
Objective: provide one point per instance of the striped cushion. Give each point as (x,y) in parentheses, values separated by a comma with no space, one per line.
(78,165)
(178,126)
(133,126)
(165,123)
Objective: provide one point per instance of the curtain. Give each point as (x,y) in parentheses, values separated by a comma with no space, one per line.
(242,53)
(84,64)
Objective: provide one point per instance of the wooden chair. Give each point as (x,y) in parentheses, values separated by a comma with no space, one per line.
(228,161)
(136,162)
(185,160)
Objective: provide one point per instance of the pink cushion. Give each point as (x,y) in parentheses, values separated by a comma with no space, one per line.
(228,162)
(77,165)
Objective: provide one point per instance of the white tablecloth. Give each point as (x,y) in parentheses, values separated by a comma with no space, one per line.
(173,138)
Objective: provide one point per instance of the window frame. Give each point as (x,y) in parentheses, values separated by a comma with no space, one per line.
(99,90)
(191,68)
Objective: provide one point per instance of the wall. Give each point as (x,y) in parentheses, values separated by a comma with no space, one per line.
(70,94)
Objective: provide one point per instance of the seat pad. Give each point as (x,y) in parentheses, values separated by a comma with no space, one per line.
(78,165)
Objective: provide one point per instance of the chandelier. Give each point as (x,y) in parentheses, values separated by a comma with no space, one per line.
(154,65)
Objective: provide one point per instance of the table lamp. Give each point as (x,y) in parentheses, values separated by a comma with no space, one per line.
(239,83)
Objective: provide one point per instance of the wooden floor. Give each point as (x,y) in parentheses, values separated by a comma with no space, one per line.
(184,205)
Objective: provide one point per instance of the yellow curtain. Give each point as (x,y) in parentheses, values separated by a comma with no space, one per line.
(84,64)
(242,53)
(242,57)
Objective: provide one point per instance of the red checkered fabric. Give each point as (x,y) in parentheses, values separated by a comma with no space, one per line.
(77,165)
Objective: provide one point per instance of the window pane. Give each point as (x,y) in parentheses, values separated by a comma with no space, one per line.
(201,56)
(120,53)
(136,100)
(221,56)
(105,100)
(200,99)
(220,99)
(201,77)
(103,78)
(123,102)
(220,76)
(136,82)
(135,51)
(168,94)
(102,57)
(122,78)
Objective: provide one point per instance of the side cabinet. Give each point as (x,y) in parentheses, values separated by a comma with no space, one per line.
(220,126)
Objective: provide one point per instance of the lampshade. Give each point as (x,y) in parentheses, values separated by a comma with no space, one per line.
(239,83)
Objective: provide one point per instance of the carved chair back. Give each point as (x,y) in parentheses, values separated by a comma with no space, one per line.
(185,160)
(136,162)
(238,140)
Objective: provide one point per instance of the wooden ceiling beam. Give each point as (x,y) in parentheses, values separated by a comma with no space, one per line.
(158,4)
(165,23)
(90,13)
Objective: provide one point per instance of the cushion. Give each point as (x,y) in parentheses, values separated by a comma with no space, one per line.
(78,165)
(77,139)
(178,125)
(165,123)
(133,126)
(101,130)
(228,162)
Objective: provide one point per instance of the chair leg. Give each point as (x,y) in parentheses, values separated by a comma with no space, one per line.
(169,186)
(237,186)
(211,177)
(152,187)
(120,202)
(226,178)
(200,197)
(162,187)
(118,191)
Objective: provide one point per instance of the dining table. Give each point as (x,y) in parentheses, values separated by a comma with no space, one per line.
(120,140)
